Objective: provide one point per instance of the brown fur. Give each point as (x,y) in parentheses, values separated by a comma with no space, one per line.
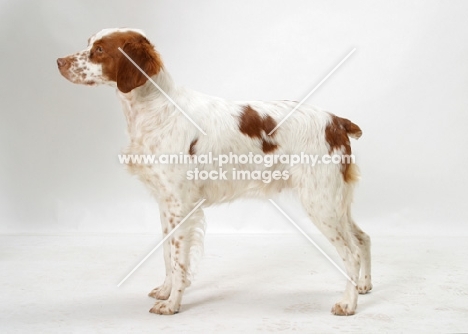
(255,126)
(337,135)
(192,146)
(116,67)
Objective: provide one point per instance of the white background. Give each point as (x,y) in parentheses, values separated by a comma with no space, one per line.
(73,222)
(405,86)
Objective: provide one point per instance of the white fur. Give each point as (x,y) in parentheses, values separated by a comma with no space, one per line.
(155,126)
(108,31)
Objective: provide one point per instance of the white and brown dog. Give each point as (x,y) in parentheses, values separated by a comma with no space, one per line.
(156,126)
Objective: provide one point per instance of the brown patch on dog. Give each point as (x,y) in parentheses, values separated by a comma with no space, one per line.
(337,135)
(192,146)
(251,123)
(268,124)
(268,147)
(255,126)
(116,67)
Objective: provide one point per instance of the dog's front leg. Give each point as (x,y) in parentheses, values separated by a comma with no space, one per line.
(179,246)
(163,292)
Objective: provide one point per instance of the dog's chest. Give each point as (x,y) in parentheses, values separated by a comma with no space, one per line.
(148,140)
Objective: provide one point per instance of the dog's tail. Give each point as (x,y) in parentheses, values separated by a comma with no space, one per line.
(352,129)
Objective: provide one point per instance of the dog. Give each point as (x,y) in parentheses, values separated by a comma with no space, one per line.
(164,118)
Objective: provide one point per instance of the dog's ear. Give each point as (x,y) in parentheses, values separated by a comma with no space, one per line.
(141,52)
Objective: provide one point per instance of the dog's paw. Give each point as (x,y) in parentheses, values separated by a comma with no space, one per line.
(161,292)
(343,308)
(164,307)
(364,286)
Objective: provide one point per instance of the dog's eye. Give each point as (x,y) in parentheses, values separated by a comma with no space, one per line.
(99,49)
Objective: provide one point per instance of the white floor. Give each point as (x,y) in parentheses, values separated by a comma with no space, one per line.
(68,284)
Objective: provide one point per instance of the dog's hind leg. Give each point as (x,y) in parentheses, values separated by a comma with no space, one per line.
(363,243)
(325,201)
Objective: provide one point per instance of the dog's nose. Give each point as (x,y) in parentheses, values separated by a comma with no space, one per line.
(61,62)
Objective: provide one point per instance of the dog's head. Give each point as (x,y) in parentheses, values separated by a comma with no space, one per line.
(105,60)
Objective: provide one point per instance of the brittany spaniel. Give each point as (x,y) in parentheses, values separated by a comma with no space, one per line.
(164,118)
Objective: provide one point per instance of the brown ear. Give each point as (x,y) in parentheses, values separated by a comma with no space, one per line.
(141,52)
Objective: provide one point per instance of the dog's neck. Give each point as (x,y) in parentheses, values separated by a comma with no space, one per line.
(148,100)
